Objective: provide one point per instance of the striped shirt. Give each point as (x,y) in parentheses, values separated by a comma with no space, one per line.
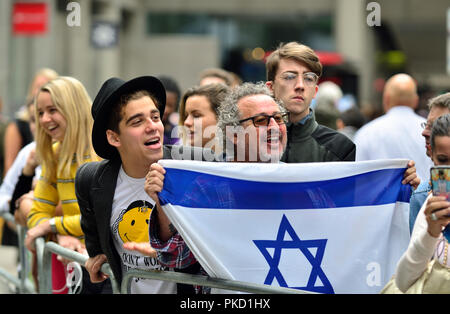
(48,194)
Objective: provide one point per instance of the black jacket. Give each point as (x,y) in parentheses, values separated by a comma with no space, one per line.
(95,184)
(313,142)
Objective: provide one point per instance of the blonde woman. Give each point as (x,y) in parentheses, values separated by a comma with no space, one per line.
(63,143)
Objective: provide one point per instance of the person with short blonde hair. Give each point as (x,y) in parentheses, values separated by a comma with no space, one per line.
(41,77)
(17,132)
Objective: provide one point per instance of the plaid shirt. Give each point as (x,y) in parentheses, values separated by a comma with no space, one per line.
(174,253)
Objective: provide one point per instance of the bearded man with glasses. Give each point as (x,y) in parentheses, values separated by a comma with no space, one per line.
(293,71)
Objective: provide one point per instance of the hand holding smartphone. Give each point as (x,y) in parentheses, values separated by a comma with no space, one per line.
(440,184)
(440,180)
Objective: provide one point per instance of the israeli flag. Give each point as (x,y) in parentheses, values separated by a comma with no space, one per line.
(335,227)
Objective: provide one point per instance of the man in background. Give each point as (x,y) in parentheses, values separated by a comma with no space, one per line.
(396,134)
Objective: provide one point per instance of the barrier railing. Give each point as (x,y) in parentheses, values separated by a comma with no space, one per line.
(44,251)
(44,256)
(21,282)
(206,281)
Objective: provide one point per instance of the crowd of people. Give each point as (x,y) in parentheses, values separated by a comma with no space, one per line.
(88,178)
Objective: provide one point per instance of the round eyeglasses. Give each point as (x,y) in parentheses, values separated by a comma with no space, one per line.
(309,78)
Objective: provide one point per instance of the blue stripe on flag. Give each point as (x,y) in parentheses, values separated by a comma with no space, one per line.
(200,190)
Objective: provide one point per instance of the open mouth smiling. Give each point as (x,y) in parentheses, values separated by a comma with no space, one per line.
(152,142)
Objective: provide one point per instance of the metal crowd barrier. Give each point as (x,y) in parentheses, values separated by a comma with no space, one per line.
(206,281)
(22,283)
(44,251)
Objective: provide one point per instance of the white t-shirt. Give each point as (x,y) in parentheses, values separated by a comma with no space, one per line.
(129,223)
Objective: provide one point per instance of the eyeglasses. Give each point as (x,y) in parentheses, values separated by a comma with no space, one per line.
(426,125)
(309,78)
(264,119)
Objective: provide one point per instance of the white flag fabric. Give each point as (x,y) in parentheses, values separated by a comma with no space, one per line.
(335,227)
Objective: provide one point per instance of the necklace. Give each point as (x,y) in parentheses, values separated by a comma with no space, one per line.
(135,192)
(144,208)
(445,253)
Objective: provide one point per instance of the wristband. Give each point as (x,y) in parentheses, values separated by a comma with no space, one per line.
(52,225)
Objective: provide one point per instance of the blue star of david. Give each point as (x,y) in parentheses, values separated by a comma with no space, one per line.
(303,246)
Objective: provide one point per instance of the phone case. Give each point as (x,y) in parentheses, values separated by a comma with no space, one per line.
(440,184)
(440,180)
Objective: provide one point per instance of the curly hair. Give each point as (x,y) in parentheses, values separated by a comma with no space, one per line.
(228,112)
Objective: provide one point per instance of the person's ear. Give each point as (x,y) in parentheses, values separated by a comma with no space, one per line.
(113,138)
(317,89)
(340,124)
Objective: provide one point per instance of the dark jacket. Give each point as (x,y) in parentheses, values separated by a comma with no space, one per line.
(95,184)
(312,142)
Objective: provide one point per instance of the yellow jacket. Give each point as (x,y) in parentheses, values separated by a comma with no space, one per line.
(47,195)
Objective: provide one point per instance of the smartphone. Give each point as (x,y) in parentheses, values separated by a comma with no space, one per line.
(440,184)
(440,180)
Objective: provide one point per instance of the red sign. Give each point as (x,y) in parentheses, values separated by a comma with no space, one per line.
(30,18)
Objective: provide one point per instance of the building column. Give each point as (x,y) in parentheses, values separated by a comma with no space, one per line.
(5,30)
(107,60)
(354,40)
(80,59)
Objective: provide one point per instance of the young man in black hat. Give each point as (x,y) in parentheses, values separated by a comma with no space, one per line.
(128,134)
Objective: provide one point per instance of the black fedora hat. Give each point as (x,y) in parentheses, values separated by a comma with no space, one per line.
(108,96)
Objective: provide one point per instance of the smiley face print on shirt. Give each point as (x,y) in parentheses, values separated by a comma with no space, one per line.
(132,223)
